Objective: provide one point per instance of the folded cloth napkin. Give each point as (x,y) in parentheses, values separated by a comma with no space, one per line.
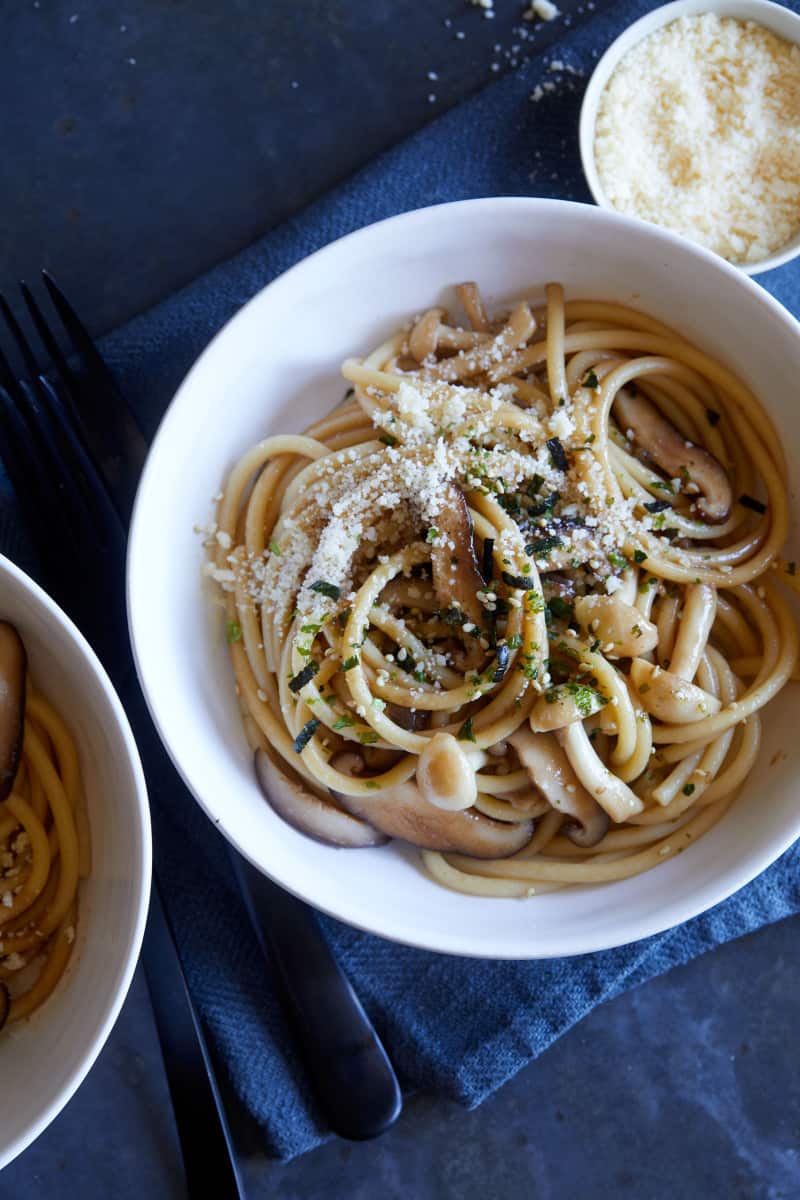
(454,1026)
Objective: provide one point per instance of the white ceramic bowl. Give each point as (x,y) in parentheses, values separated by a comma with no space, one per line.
(44,1059)
(275,367)
(780,20)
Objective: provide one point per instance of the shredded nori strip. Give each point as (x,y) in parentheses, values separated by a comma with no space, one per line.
(326,589)
(543,546)
(558,607)
(487,566)
(305,676)
(558,454)
(657,506)
(750,502)
(545,506)
(305,735)
(503,655)
(524,582)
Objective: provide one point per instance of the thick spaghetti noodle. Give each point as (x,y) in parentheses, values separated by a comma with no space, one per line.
(516,599)
(44,852)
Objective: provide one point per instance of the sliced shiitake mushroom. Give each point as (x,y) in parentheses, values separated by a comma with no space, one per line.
(320,819)
(675,454)
(13,669)
(402,812)
(551,772)
(456,575)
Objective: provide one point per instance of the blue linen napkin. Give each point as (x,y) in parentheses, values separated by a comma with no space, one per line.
(453,1026)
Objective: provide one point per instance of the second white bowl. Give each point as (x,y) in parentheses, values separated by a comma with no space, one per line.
(45,1058)
(780,20)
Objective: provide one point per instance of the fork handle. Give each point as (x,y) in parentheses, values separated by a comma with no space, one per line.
(209,1157)
(353,1080)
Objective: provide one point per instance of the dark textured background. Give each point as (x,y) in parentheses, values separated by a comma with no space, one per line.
(128,178)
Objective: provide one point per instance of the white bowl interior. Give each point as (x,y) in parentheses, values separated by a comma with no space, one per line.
(274,368)
(780,20)
(44,1059)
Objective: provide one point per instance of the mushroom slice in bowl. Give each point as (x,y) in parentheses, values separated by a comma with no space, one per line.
(456,576)
(310,814)
(551,772)
(402,812)
(676,455)
(13,669)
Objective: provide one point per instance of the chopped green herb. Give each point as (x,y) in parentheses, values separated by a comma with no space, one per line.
(326,589)
(616,559)
(275,548)
(233,632)
(664,485)
(534,485)
(387,439)
(590,380)
(515,641)
(431,535)
(344,722)
(688,789)
(349,663)
(534,602)
(558,455)
(305,735)
(595,646)
(368,737)
(314,627)
(749,502)
(465,733)
(639,556)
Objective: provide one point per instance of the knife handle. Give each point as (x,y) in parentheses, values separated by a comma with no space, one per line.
(209,1156)
(352,1077)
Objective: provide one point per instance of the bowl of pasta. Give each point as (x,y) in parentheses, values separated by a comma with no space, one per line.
(485,642)
(74,859)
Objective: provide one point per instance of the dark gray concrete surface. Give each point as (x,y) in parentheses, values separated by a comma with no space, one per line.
(130,178)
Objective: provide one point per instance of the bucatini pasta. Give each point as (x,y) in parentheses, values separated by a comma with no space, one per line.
(44,840)
(517,600)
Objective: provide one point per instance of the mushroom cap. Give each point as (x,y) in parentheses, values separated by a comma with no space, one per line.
(445,776)
(13,671)
(675,454)
(551,772)
(318,818)
(670,697)
(402,812)
(456,577)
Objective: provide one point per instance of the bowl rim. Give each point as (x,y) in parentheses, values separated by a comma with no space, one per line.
(683,908)
(91,664)
(779,19)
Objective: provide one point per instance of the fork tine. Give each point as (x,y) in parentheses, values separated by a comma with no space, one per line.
(50,344)
(115,441)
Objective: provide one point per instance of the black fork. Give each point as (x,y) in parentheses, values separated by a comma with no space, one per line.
(50,456)
(78,438)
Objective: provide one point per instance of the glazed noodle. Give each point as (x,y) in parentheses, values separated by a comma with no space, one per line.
(44,851)
(516,599)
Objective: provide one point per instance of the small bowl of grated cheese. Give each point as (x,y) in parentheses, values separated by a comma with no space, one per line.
(691,120)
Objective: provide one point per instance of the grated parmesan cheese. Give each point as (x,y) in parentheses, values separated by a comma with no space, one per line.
(699,130)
